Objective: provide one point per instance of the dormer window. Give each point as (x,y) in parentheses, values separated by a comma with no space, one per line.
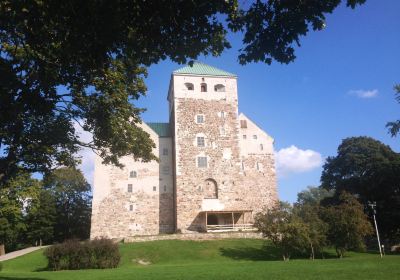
(189,86)
(203,87)
(219,88)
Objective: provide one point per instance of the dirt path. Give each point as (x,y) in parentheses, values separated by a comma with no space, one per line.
(18,253)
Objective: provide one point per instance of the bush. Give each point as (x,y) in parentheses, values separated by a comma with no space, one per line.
(72,254)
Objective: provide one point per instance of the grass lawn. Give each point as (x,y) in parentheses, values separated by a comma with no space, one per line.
(222,259)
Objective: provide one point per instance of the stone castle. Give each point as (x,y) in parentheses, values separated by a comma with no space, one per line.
(215,169)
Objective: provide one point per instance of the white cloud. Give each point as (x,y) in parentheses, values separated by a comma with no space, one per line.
(364,93)
(86,154)
(294,160)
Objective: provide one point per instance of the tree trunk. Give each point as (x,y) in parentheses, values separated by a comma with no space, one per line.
(40,242)
(312,252)
(2,250)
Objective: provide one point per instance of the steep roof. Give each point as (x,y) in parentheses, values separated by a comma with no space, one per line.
(199,68)
(162,129)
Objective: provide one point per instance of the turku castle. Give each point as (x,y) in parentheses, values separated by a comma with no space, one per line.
(215,169)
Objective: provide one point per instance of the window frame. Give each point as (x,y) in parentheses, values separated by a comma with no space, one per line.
(202,162)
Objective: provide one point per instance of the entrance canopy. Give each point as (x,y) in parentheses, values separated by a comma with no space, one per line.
(229,220)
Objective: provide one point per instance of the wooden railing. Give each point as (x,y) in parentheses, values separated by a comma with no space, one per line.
(230,227)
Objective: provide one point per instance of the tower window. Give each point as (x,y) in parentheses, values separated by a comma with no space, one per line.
(254,136)
(189,86)
(130,207)
(202,162)
(244,136)
(130,187)
(219,88)
(203,87)
(200,142)
(200,118)
(133,174)
(261,147)
(243,124)
(154,188)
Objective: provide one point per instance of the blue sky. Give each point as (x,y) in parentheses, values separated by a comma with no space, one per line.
(340,85)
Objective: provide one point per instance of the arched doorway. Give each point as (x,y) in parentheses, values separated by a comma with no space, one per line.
(210,188)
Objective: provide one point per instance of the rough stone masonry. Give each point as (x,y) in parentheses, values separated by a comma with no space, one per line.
(215,170)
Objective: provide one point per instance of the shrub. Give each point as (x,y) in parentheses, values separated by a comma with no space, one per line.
(72,254)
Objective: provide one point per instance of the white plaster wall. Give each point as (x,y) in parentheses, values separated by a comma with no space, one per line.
(107,177)
(250,146)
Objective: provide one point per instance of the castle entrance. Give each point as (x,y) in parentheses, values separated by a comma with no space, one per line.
(237,220)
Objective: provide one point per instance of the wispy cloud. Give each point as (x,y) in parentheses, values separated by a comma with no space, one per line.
(361,93)
(294,160)
(87,155)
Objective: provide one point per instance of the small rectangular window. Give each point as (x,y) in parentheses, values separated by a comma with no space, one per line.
(165,188)
(261,147)
(244,136)
(133,174)
(254,136)
(130,187)
(222,114)
(130,207)
(200,119)
(154,188)
(200,142)
(165,152)
(243,124)
(202,162)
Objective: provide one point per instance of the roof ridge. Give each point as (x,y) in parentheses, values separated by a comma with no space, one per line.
(203,69)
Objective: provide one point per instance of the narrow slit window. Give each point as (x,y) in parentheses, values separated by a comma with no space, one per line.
(261,147)
(130,187)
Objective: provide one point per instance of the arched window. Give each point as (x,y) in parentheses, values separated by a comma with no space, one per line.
(203,87)
(210,189)
(133,174)
(219,88)
(189,86)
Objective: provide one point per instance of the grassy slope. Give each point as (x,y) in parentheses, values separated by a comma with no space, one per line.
(223,259)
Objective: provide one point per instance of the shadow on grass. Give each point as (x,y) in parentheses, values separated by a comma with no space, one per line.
(267,253)
(19,278)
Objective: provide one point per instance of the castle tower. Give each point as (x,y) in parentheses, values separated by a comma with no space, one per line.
(217,185)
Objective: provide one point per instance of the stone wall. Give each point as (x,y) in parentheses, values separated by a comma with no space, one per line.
(250,188)
(195,236)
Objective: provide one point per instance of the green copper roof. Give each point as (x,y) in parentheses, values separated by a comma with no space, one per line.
(162,129)
(202,69)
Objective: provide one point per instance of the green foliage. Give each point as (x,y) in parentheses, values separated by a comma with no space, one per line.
(348,224)
(70,63)
(72,197)
(313,195)
(370,170)
(284,229)
(18,193)
(394,127)
(72,255)
(41,218)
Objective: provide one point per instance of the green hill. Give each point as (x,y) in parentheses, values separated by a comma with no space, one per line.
(220,259)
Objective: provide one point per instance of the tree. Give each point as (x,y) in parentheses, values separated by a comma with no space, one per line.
(348,224)
(370,170)
(83,63)
(41,218)
(284,229)
(18,193)
(394,127)
(72,202)
(313,196)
